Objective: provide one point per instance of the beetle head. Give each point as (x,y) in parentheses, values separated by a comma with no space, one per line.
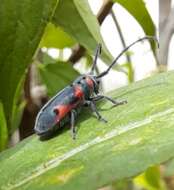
(96,83)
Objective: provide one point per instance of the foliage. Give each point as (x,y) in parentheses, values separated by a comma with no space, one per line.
(81,24)
(138,135)
(25,27)
(22,27)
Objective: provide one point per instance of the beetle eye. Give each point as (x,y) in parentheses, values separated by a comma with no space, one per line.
(56,111)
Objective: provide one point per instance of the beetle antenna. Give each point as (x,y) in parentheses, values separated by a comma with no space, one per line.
(124,50)
(97,53)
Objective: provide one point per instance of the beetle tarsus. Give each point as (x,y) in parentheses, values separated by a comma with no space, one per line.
(120,103)
(102,119)
(116,103)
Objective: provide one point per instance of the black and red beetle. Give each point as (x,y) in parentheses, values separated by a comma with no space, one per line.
(64,107)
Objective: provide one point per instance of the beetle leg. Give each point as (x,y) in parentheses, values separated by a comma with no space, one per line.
(94,109)
(73,129)
(116,103)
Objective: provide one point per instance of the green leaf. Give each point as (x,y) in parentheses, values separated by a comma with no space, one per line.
(138,135)
(150,179)
(76,18)
(3,129)
(57,75)
(55,37)
(142,16)
(22,25)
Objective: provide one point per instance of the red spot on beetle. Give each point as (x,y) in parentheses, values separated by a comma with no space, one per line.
(62,110)
(78,92)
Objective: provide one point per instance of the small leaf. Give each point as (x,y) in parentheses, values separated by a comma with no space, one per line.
(3,129)
(76,18)
(55,37)
(57,75)
(137,136)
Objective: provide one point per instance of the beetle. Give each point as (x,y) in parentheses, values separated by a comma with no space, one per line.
(65,106)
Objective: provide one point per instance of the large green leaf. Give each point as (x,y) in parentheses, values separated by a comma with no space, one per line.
(3,129)
(139,11)
(138,135)
(76,18)
(21,27)
(57,75)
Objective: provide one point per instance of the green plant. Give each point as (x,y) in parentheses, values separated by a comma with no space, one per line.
(25,28)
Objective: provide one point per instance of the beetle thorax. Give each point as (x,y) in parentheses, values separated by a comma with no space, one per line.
(86,84)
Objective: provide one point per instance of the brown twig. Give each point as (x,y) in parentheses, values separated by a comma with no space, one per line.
(79,50)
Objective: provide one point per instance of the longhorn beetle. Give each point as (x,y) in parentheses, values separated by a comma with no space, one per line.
(64,107)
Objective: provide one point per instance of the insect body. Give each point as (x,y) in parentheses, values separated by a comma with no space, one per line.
(65,106)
